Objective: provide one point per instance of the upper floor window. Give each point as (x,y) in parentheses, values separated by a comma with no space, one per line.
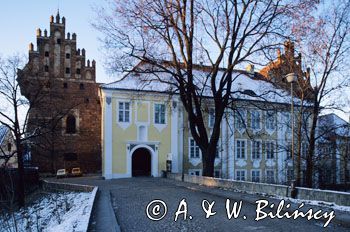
(255,119)
(124,112)
(240,117)
(194,149)
(159,113)
(58,41)
(270,150)
(46,67)
(256,150)
(71,124)
(240,149)
(67,55)
(78,71)
(67,70)
(270,120)
(211,118)
(256,175)
(9,147)
(46,54)
(240,175)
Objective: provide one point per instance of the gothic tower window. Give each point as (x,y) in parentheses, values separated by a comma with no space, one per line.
(71,124)
(46,54)
(67,70)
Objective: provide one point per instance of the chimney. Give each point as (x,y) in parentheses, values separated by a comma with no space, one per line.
(250,68)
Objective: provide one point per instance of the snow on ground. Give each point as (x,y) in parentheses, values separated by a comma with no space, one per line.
(54,212)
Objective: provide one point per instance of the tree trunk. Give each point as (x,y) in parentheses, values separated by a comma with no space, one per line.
(20,183)
(311,150)
(208,160)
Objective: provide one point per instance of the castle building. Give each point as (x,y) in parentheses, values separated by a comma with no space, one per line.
(144,126)
(65,112)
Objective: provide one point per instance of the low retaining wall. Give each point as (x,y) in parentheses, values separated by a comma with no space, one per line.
(339,198)
(47,185)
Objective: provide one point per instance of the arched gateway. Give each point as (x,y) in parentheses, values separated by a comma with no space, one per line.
(141,162)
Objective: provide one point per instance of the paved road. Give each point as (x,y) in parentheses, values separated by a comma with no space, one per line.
(131,196)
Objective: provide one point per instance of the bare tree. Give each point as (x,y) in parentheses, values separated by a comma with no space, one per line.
(170,37)
(325,44)
(11,114)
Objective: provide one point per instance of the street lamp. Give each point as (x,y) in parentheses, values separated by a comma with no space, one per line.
(291,78)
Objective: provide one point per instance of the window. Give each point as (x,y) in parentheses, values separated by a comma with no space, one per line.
(290,175)
(194,149)
(217,174)
(288,122)
(255,175)
(211,117)
(270,150)
(65,85)
(9,147)
(70,124)
(270,176)
(240,116)
(78,71)
(240,175)
(67,56)
(195,172)
(67,70)
(159,113)
(240,149)
(270,120)
(255,120)
(58,41)
(46,67)
(46,54)
(217,153)
(256,150)
(81,86)
(304,150)
(124,112)
(289,151)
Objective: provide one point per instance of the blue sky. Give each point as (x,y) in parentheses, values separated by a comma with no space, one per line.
(20,19)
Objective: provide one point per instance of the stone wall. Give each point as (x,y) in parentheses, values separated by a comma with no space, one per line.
(339,198)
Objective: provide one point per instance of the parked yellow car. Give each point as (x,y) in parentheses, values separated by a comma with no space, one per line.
(76,172)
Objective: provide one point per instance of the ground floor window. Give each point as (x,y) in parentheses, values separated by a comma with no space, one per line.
(270,176)
(240,175)
(195,172)
(256,175)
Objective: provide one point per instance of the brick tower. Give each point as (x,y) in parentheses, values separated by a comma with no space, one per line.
(65,115)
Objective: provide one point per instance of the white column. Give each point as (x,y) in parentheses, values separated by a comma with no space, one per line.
(174,137)
(108,140)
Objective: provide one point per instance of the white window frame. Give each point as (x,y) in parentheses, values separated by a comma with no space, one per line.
(268,180)
(195,146)
(240,120)
(211,117)
(273,150)
(193,172)
(240,178)
(123,124)
(245,149)
(253,119)
(253,176)
(270,125)
(219,171)
(124,111)
(252,149)
(160,114)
